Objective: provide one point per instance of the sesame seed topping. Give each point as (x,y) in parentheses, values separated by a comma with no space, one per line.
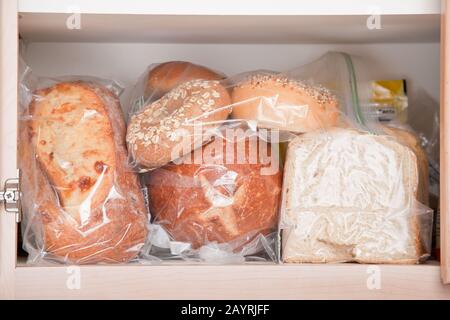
(321,94)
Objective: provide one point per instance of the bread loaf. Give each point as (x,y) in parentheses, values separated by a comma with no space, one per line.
(281,103)
(82,202)
(166,76)
(408,138)
(219,199)
(351,196)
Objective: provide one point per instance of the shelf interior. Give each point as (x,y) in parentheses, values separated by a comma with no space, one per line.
(119,42)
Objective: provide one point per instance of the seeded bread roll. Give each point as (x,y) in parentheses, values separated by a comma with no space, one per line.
(177,123)
(169,75)
(278,102)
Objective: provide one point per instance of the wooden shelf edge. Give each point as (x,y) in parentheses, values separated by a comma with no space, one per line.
(444,144)
(233,7)
(268,281)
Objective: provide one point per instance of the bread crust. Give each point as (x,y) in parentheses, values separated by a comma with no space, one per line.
(281,103)
(81,198)
(176,124)
(215,201)
(166,76)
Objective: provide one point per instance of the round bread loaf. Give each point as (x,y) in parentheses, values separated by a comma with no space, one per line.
(177,123)
(169,75)
(278,102)
(226,198)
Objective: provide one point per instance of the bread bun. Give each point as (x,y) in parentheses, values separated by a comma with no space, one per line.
(177,123)
(82,203)
(169,75)
(218,200)
(281,103)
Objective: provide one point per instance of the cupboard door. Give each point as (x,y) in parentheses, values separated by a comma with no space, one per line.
(445,141)
(8,139)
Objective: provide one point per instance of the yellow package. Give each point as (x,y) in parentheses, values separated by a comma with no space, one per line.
(389,100)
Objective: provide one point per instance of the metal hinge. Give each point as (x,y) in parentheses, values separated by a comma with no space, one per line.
(10,197)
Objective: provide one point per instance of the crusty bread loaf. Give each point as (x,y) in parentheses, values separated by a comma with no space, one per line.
(166,76)
(177,123)
(350,196)
(221,199)
(80,195)
(278,102)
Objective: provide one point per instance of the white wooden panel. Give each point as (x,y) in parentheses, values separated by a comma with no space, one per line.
(233,7)
(8,137)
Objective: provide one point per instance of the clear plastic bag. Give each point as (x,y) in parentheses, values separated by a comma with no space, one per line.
(183,118)
(81,202)
(353,196)
(326,215)
(354,192)
(210,151)
(218,204)
(226,211)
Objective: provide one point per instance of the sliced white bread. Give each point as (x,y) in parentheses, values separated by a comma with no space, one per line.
(350,196)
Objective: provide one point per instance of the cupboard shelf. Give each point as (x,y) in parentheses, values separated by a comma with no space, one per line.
(266,21)
(252,281)
(141,31)
(233,7)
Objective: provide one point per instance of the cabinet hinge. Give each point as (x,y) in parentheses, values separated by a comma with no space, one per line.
(10,197)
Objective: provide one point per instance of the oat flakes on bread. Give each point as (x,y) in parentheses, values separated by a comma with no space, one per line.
(176,124)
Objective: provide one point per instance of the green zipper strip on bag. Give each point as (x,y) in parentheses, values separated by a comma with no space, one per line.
(354,90)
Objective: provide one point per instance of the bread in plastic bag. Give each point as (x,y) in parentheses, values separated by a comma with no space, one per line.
(221,201)
(352,196)
(191,109)
(356,192)
(185,101)
(161,78)
(279,102)
(81,202)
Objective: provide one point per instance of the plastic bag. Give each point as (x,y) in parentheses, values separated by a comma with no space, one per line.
(221,209)
(353,192)
(183,118)
(218,204)
(81,202)
(194,206)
